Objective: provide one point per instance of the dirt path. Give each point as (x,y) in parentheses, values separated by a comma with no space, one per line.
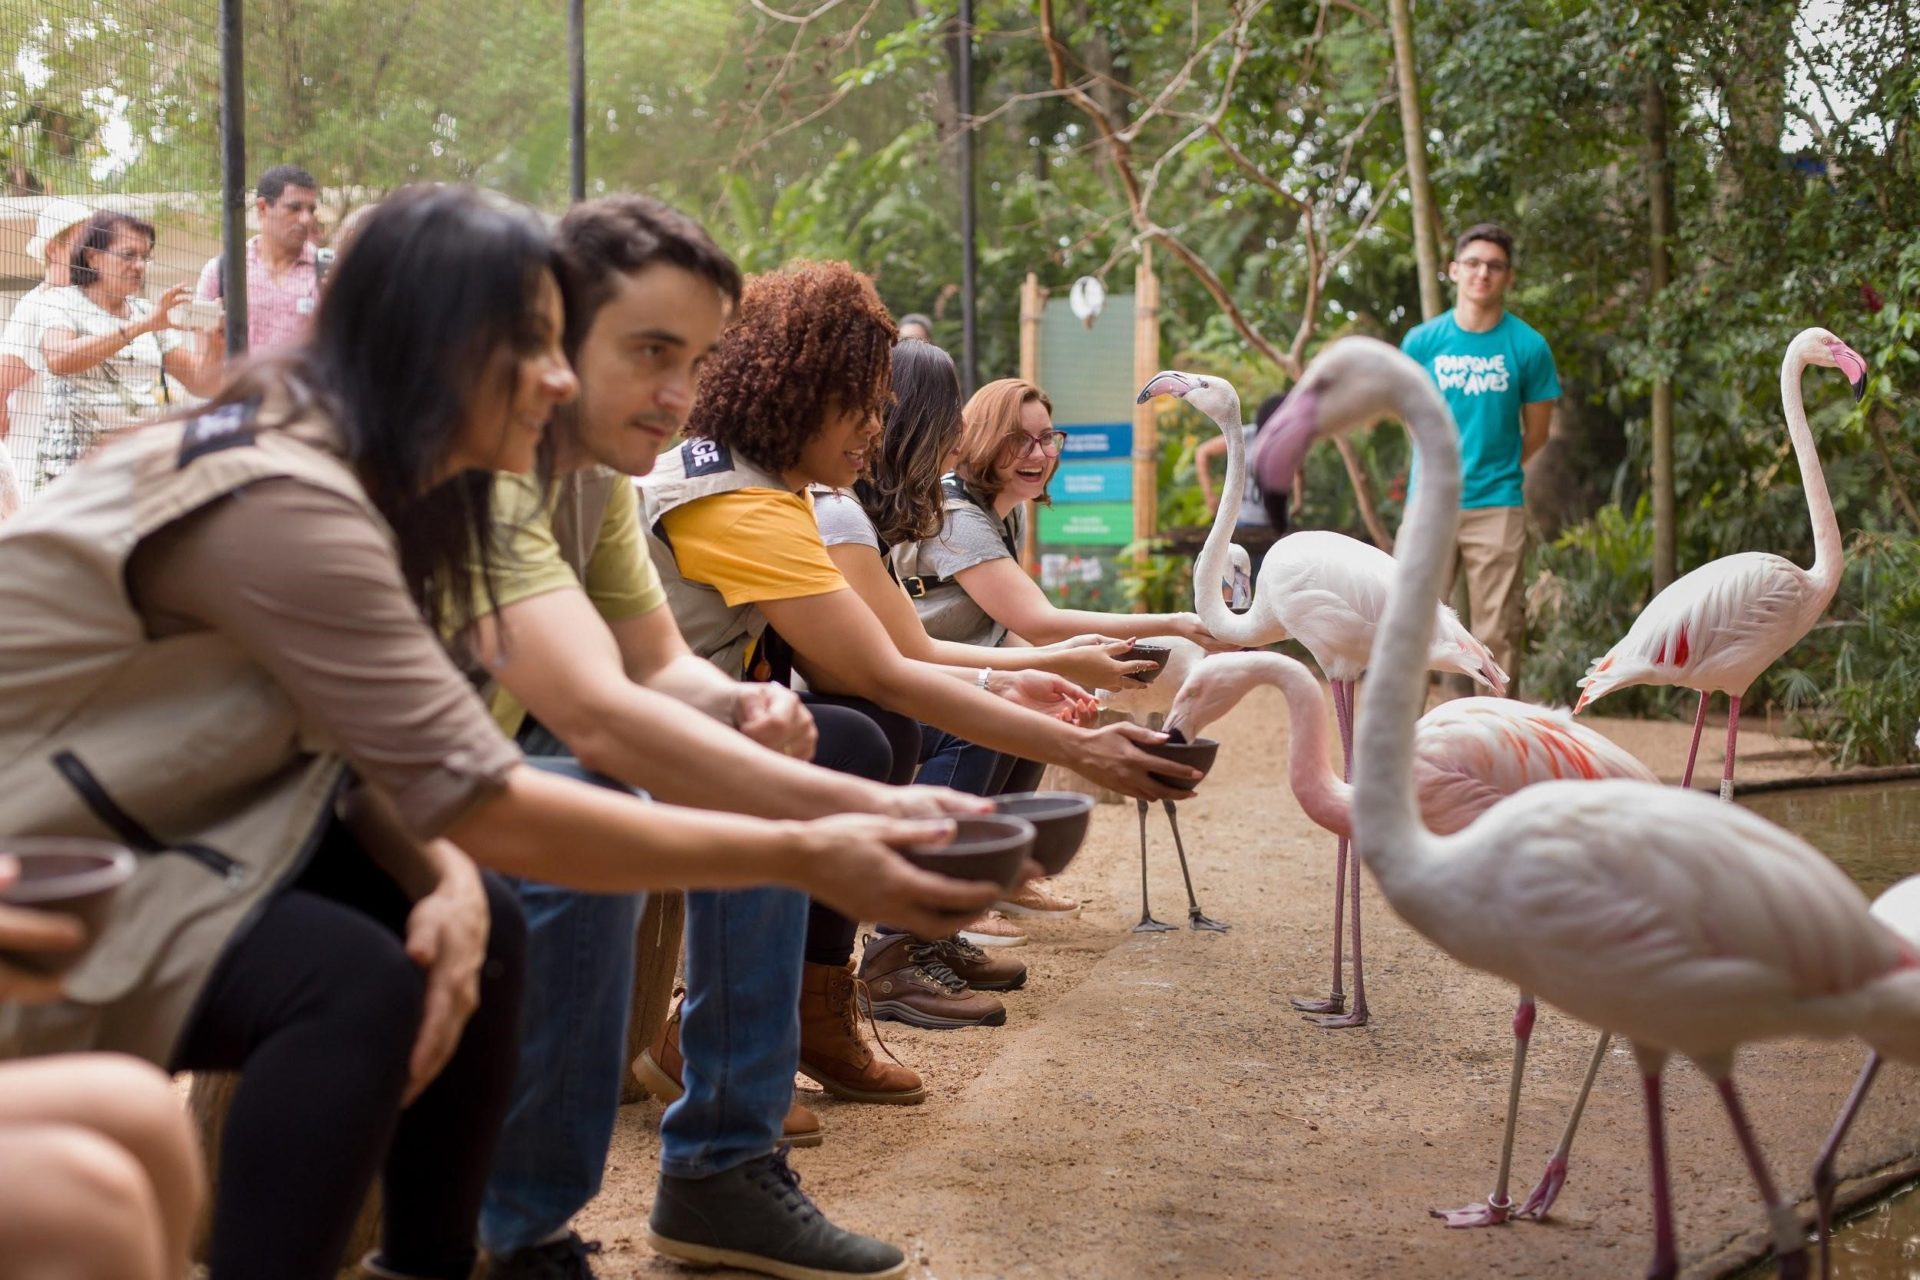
(1153,1107)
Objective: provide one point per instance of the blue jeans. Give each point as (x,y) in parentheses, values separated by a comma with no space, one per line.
(739,1034)
(947,761)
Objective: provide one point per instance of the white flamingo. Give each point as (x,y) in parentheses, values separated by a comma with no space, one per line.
(1327,591)
(1686,925)
(1717,628)
(1469,753)
(1148,704)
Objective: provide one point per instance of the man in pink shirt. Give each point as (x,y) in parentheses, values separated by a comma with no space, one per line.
(283,278)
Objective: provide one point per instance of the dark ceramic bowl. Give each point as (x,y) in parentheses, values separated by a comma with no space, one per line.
(1059,821)
(989,847)
(1154,653)
(1198,754)
(72,876)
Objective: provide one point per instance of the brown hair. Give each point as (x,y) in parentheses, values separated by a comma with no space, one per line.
(901,492)
(993,416)
(598,241)
(812,338)
(98,238)
(1491,232)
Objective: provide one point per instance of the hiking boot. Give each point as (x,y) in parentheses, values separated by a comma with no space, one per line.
(556,1260)
(1035,898)
(756,1217)
(994,930)
(981,971)
(658,1071)
(832,1053)
(907,981)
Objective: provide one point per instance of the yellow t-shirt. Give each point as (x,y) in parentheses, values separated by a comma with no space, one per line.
(539,547)
(752,545)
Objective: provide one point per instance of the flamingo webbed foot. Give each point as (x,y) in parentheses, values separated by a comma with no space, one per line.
(1336,1022)
(1335,1003)
(1485,1213)
(1535,1206)
(1197,920)
(1149,925)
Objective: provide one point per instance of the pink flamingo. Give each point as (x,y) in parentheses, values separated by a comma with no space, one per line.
(1327,591)
(1686,925)
(1468,754)
(1717,628)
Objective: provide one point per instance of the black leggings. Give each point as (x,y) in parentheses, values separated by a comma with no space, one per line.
(316,1005)
(869,742)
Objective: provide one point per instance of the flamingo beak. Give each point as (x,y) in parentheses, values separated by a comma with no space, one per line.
(1853,364)
(1165,383)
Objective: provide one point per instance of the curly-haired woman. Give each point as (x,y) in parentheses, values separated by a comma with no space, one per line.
(794,396)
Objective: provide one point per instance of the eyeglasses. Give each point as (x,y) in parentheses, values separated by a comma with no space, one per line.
(1050,443)
(1492,266)
(131,255)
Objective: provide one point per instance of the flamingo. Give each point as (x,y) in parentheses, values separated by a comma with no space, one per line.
(1468,754)
(1685,925)
(1148,704)
(1720,626)
(1325,590)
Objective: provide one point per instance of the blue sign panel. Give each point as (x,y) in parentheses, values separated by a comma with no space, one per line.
(1097,439)
(1093,482)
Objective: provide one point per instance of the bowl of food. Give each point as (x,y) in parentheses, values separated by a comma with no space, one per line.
(1157,654)
(1059,821)
(990,847)
(1198,754)
(68,875)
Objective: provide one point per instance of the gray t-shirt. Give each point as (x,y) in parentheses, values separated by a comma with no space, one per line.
(842,519)
(968,536)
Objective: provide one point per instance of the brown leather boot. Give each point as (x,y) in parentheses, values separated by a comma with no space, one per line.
(832,1053)
(905,980)
(658,1071)
(983,971)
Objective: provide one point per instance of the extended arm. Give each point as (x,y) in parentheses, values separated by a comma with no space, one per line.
(1535,419)
(1211,450)
(1014,600)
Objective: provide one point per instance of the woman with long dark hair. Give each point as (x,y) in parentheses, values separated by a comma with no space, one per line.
(219,654)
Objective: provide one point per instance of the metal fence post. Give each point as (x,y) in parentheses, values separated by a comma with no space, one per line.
(577,90)
(233,175)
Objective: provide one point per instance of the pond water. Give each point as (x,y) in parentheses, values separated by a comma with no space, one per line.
(1872,831)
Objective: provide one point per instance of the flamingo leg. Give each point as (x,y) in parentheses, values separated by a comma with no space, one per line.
(1195,917)
(1548,1189)
(1824,1181)
(1789,1240)
(1336,1001)
(1498,1206)
(1733,735)
(1666,1261)
(1147,923)
(1699,723)
(1358,1016)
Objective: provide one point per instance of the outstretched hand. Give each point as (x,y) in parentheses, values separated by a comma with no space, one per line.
(26,930)
(853,865)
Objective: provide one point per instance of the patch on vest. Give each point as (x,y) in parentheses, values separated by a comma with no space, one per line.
(703,457)
(227,427)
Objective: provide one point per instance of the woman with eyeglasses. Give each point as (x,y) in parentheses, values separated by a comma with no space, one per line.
(969,587)
(112,357)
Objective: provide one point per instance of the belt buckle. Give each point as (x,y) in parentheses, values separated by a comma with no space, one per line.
(916,587)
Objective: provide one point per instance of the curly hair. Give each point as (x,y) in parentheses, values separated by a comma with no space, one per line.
(993,420)
(812,339)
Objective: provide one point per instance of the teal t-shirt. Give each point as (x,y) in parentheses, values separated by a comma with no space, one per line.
(1486,377)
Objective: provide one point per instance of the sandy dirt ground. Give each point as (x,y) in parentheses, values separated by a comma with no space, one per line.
(1153,1106)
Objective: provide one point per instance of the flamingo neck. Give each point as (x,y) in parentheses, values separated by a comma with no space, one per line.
(1322,793)
(1210,570)
(1828,556)
(1388,833)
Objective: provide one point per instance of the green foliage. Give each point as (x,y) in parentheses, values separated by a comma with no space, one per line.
(1588,586)
(1854,684)
(1154,582)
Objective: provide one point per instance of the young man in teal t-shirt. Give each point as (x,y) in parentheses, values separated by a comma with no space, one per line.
(1498,377)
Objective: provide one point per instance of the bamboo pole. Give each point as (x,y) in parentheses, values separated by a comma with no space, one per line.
(1426,247)
(1033,308)
(1146,435)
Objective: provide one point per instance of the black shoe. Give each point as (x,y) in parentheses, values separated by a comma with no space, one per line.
(559,1260)
(755,1217)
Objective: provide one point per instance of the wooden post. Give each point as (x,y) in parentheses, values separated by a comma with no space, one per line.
(1426,240)
(656,963)
(1033,308)
(1146,432)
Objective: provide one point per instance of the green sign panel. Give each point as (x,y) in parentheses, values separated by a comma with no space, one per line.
(1088,524)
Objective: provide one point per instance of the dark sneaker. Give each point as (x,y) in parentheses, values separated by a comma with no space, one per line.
(560,1260)
(905,980)
(755,1217)
(976,968)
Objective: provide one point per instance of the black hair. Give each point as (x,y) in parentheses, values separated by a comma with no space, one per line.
(1268,408)
(415,330)
(276,180)
(1491,232)
(599,240)
(915,317)
(97,238)
(901,493)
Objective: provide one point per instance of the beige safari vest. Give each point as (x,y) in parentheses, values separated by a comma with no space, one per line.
(180,748)
(723,634)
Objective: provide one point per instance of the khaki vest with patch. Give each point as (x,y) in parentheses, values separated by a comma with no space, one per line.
(723,634)
(180,748)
